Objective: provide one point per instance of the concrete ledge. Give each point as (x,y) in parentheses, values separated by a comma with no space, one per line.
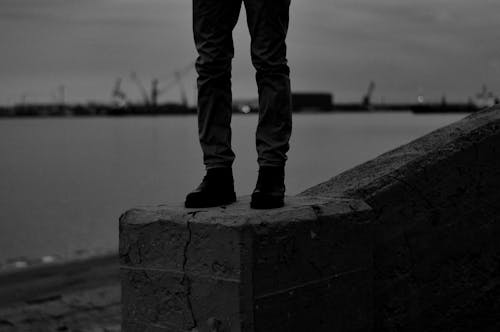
(369,178)
(405,242)
(436,251)
(247,270)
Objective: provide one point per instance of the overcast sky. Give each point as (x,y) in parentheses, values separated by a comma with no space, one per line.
(406,46)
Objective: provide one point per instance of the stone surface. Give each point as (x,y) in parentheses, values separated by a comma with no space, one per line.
(370,177)
(242,268)
(436,254)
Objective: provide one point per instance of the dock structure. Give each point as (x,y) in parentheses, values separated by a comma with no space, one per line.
(405,242)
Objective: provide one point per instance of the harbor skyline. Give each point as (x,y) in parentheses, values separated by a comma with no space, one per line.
(76,50)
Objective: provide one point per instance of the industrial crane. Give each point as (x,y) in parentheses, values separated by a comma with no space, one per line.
(145,97)
(174,79)
(118,96)
(367,98)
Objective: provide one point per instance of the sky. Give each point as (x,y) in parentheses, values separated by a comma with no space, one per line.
(408,47)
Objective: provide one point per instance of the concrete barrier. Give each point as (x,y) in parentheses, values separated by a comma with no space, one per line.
(405,242)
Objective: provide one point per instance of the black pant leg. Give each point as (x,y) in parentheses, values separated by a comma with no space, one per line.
(213,23)
(268,25)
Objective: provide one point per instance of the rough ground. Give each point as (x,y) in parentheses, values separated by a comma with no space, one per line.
(96,310)
(77,296)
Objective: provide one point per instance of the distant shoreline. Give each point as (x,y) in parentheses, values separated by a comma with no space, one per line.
(101,110)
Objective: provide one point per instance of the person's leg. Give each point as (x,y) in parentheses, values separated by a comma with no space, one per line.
(268,26)
(213,24)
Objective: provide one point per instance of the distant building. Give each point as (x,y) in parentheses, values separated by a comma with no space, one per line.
(312,101)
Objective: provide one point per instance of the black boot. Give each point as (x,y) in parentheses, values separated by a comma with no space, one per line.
(217,188)
(269,192)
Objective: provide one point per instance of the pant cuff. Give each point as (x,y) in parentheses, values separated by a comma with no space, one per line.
(210,166)
(271,164)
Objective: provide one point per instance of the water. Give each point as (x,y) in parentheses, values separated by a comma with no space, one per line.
(64,182)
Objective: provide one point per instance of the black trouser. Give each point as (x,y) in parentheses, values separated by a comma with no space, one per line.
(213,24)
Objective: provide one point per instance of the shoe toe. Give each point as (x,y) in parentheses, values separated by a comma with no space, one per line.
(203,199)
(193,200)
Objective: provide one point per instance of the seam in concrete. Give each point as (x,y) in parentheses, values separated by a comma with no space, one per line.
(194,213)
(6,322)
(186,281)
(310,283)
(181,273)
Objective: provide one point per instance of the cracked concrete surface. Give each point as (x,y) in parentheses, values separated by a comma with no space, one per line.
(186,281)
(213,258)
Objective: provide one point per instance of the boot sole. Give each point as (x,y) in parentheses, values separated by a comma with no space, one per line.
(211,202)
(267,203)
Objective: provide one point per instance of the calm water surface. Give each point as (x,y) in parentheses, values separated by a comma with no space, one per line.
(64,182)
